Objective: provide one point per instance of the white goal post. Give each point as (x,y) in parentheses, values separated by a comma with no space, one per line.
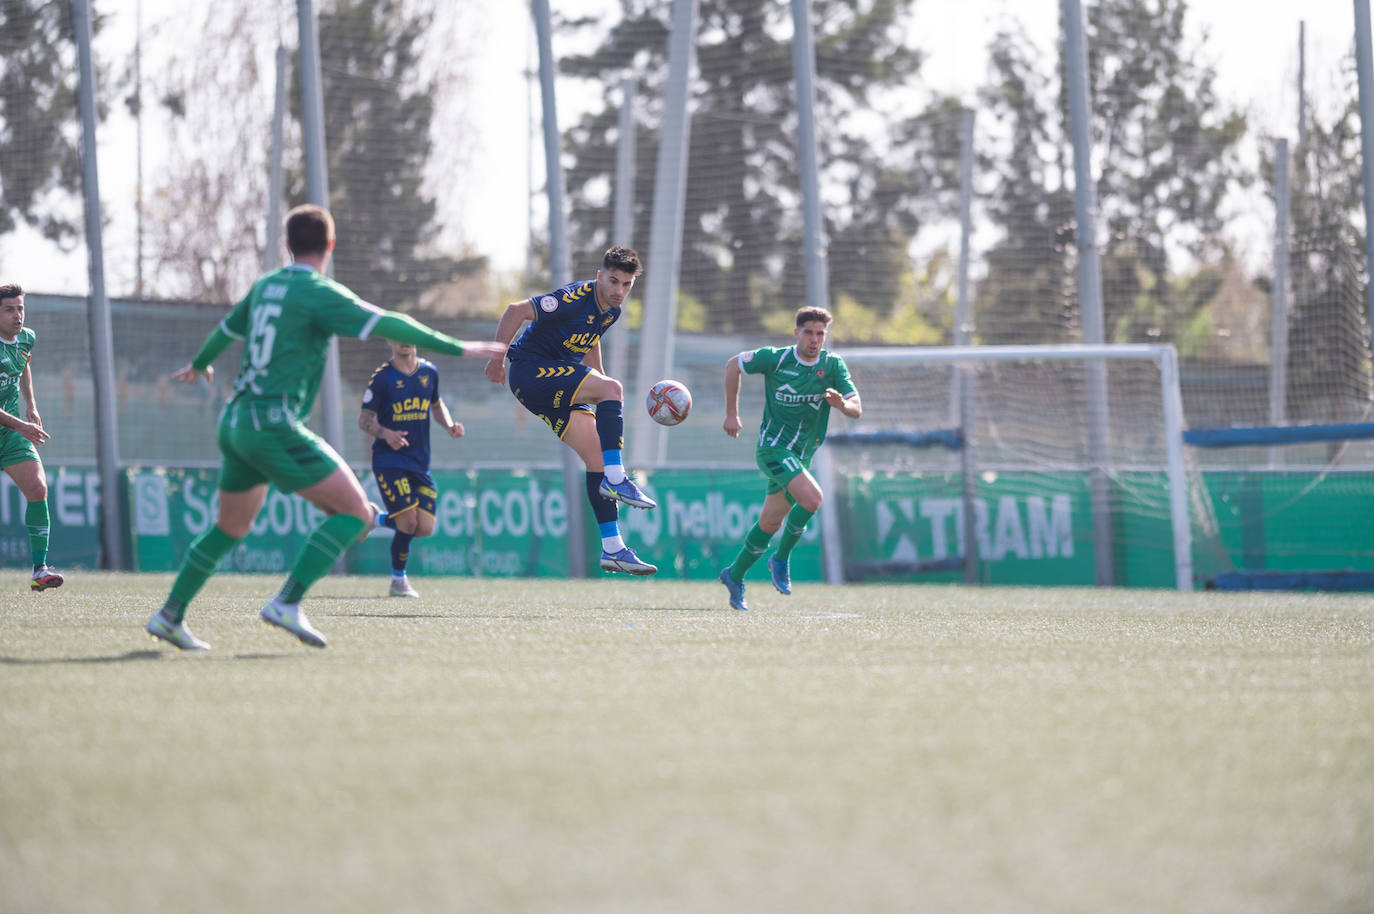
(1029,406)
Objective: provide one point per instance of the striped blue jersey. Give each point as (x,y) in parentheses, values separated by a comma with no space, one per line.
(567,323)
(402,402)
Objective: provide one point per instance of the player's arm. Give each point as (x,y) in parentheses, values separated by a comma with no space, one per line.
(512,318)
(26,391)
(369,423)
(402,328)
(593,358)
(439,410)
(732,378)
(850,405)
(34,433)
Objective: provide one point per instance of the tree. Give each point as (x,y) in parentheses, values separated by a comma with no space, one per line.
(1329,334)
(742,245)
(378,109)
(1167,150)
(39,147)
(207,205)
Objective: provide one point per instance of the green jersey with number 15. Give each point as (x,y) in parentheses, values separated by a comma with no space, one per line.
(285,322)
(795,411)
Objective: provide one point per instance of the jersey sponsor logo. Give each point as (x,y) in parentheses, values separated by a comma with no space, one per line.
(789,373)
(274,291)
(548,303)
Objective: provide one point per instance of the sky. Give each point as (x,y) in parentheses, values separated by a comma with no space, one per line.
(1252,43)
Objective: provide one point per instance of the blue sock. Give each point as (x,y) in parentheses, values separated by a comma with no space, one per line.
(400,552)
(610,429)
(603,508)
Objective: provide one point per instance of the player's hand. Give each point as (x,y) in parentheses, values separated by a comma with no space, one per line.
(496,370)
(834,397)
(456,430)
(396,439)
(33,432)
(188,375)
(35,418)
(731,426)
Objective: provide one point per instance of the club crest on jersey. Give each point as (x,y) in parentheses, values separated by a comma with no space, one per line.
(548,303)
(424,381)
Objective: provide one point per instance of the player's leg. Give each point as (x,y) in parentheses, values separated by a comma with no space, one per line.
(583,437)
(242,490)
(806,496)
(32,482)
(608,396)
(400,491)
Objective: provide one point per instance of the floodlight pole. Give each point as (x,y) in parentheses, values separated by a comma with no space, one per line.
(317,191)
(574,473)
(1364,65)
(1089,284)
(112,523)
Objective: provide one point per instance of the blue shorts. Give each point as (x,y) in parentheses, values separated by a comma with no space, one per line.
(405,489)
(547,389)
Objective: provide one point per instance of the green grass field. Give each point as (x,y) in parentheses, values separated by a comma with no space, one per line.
(626,745)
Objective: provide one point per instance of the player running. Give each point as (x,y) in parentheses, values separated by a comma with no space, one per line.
(801,383)
(286,322)
(397,406)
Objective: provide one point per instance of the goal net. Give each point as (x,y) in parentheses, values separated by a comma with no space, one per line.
(1068,459)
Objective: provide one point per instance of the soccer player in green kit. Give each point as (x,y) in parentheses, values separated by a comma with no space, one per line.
(802,383)
(285,322)
(20,432)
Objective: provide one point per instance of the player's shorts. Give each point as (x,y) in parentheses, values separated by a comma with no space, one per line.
(262,442)
(547,389)
(405,489)
(780,465)
(15,448)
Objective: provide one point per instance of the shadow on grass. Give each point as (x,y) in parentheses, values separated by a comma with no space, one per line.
(45,661)
(128,656)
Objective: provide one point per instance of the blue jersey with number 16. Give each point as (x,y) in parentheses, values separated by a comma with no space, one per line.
(402,402)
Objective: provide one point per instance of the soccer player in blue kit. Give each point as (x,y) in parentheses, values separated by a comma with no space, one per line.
(556,373)
(397,406)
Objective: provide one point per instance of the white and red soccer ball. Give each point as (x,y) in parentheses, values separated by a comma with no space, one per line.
(668,402)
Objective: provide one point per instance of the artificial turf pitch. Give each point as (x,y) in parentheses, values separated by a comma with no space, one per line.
(634,745)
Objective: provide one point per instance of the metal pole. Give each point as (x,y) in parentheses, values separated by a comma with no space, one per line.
(622,220)
(1302,83)
(1365,67)
(1278,297)
(273,253)
(574,473)
(962,394)
(813,222)
(647,441)
(1089,284)
(112,524)
(317,191)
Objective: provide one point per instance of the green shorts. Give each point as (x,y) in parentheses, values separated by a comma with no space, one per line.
(15,448)
(780,465)
(262,442)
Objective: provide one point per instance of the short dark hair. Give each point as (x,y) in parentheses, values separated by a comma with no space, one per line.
(807,314)
(623,259)
(309,229)
(11,290)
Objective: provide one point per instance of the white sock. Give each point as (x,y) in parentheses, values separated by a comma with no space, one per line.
(612,544)
(615,473)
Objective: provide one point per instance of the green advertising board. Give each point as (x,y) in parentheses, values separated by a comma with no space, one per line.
(1031,528)
(73,518)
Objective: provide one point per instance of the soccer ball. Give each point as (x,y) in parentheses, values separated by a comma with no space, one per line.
(668,402)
